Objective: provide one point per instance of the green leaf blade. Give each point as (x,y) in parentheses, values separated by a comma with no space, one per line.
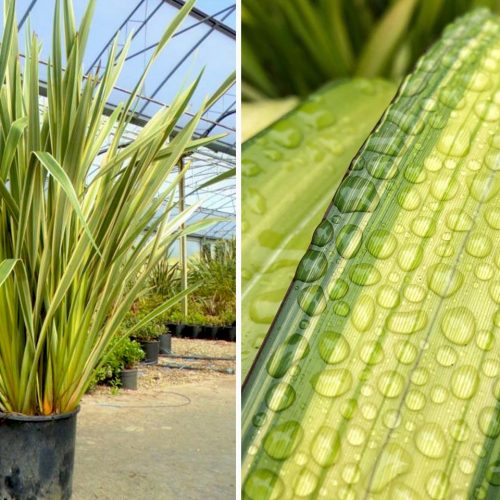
(379,376)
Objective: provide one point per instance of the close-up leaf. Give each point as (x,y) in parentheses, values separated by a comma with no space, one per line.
(290,172)
(380,376)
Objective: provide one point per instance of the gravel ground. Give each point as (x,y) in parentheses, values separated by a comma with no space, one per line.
(186,371)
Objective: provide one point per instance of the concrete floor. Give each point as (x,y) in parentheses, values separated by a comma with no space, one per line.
(171,443)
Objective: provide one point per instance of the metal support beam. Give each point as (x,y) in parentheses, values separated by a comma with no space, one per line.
(26,14)
(183,243)
(110,41)
(153,45)
(203,16)
(182,61)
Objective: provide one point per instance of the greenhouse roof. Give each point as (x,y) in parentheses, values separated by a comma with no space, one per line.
(206,40)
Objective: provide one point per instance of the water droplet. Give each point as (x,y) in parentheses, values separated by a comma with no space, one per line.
(492,216)
(381,166)
(485,340)
(459,430)
(464,382)
(446,355)
(487,110)
(479,82)
(406,322)
(295,348)
(305,483)
(444,188)
(409,199)
(317,115)
(433,163)
(249,168)
(454,143)
(478,245)
(256,201)
(280,397)
(263,483)
(410,256)
(415,400)
(282,440)
(393,462)
(430,440)
(381,244)
(332,382)
(423,226)
(312,300)
(364,274)
(312,266)
(356,435)
(482,187)
(444,280)
(325,447)
(363,313)
(415,293)
(333,347)
(388,297)
(415,174)
(420,376)
(439,394)
(458,325)
(484,271)
(459,221)
(372,353)
(338,289)
(437,485)
(452,98)
(489,421)
(350,473)
(259,419)
(348,241)
(356,194)
(493,473)
(323,233)
(406,352)
(491,367)
(341,308)
(287,135)
(391,384)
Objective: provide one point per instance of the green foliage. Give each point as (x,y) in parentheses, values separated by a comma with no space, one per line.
(150,331)
(165,278)
(122,353)
(70,244)
(292,47)
(215,270)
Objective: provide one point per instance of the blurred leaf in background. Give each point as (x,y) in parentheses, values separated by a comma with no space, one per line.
(292,47)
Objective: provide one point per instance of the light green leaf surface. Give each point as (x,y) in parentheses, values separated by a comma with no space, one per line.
(380,377)
(289,175)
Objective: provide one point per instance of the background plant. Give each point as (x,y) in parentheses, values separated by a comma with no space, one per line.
(70,245)
(215,270)
(292,47)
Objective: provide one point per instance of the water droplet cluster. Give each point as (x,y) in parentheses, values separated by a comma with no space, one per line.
(289,175)
(383,366)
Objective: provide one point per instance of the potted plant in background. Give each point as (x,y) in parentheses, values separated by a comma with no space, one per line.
(130,353)
(69,243)
(166,342)
(148,336)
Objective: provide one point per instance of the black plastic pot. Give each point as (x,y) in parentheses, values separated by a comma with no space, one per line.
(166,343)
(197,331)
(129,379)
(224,333)
(152,350)
(232,334)
(37,456)
(176,329)
(210,332)
(188,331)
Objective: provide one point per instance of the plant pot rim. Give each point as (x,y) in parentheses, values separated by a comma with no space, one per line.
(38,418)
(134,369)
(149,341)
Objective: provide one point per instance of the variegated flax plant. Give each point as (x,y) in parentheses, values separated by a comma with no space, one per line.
(69,242)
(380,376)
